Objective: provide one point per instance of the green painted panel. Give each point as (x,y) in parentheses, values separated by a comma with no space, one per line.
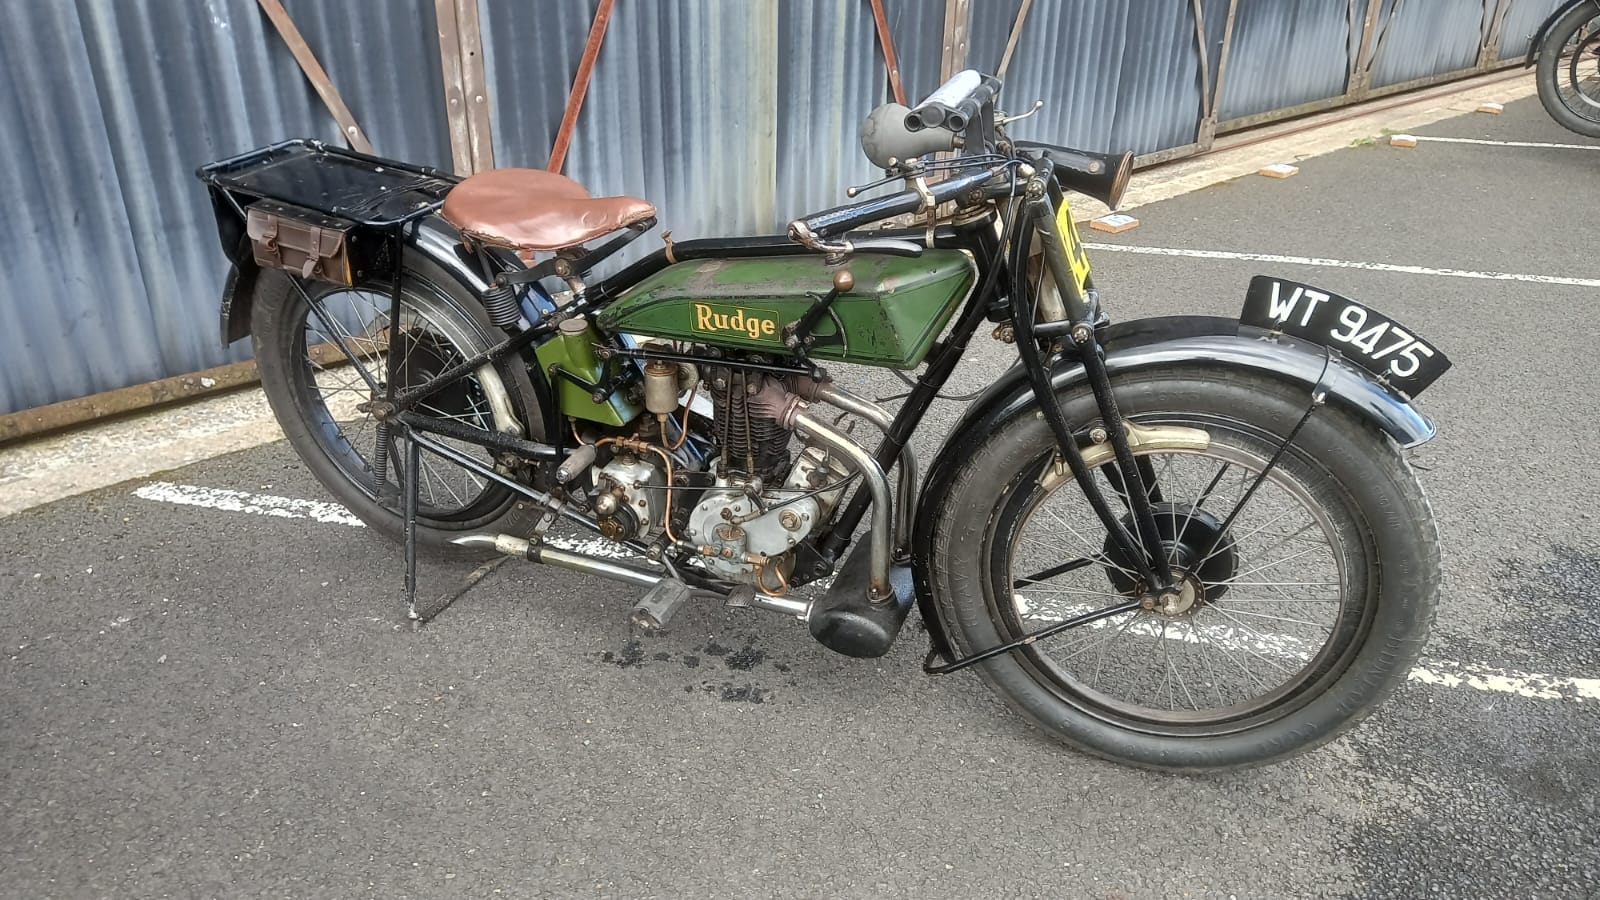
(574,352)
(890,318)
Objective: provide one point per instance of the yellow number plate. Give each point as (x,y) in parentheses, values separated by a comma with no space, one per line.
(1077,259)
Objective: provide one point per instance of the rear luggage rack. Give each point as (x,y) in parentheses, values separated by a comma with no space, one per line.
(364,190)
(323,213)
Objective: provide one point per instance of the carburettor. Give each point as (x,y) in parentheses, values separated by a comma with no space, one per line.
(630,491)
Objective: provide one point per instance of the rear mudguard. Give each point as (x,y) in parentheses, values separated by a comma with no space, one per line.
(1150,344)
(1544,28)
(433,238)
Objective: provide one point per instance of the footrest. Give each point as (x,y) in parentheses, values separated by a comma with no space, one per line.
(656,608)
(847,621)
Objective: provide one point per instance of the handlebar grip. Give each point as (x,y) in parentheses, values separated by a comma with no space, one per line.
(955,103)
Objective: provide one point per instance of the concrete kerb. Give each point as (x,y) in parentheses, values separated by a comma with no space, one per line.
(46,469)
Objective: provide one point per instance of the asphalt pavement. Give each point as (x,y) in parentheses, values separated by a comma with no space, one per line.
(217,697)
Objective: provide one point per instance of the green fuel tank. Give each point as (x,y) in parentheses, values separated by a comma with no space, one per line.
(889,319)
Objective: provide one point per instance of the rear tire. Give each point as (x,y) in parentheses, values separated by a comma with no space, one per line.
(1350,482)
(1562,76)
(314,400)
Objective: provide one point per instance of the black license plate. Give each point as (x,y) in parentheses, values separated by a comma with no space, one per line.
(1363,335)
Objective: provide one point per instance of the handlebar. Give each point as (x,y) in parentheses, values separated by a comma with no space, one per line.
(840,219)
(889,139)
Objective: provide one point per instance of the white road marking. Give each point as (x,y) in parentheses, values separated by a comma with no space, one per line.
(239,501)
(1506,681)
(1323,263)
(328,513)
(1539,144)
(1441,673)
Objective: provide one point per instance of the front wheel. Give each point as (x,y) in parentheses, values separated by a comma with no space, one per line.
(1569,71)
(1296,614)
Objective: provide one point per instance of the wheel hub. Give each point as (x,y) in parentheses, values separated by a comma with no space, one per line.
(424,356)
(1189,592)
(1201,555)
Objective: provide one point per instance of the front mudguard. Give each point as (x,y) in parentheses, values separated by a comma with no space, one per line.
(1153,344)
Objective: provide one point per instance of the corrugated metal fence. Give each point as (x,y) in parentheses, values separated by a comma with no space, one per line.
(732,115)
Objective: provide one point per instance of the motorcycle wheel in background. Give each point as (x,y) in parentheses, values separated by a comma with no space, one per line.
(1569,70)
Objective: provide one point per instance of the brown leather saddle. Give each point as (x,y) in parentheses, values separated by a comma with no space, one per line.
(531,209)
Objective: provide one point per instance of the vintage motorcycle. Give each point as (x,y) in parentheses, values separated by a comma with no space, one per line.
(1180,543)
(1566,48)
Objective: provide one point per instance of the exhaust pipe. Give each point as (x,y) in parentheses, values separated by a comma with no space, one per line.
(511,545)
(878,587)
(905,517)
(651,612)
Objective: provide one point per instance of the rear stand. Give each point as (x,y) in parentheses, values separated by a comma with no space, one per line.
(409,488)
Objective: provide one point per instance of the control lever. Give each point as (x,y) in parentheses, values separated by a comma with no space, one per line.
(891,246)
(1004,120)
(904,172)
(797,334)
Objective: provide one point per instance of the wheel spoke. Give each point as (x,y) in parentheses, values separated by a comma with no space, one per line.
(339,336)
(1100,658)
(1103,595)
(1248,674)
(1166,667)
(1181,683)
(1216,683)
(1256,615)
(1240,539)
(1103,560)
(1261,568)
(1246,645)
(1279,583)
(1052,572)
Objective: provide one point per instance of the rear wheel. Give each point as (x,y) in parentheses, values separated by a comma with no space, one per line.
(320,360)
(1569,71)
(1294,617)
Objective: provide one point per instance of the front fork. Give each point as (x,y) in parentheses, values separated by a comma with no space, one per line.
(1044,327)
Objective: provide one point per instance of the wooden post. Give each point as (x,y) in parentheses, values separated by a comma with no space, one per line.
(1016,35)
(580,85)
(466,93)
(474,85)
(1208,123)
(954,58)
(1489,50)
(1361,76)
(890,60)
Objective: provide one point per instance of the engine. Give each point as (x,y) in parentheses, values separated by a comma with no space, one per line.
(746,426)
(743,503)
(762,500)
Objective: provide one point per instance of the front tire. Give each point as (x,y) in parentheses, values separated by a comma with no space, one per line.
(1568,74)
(1272,651)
